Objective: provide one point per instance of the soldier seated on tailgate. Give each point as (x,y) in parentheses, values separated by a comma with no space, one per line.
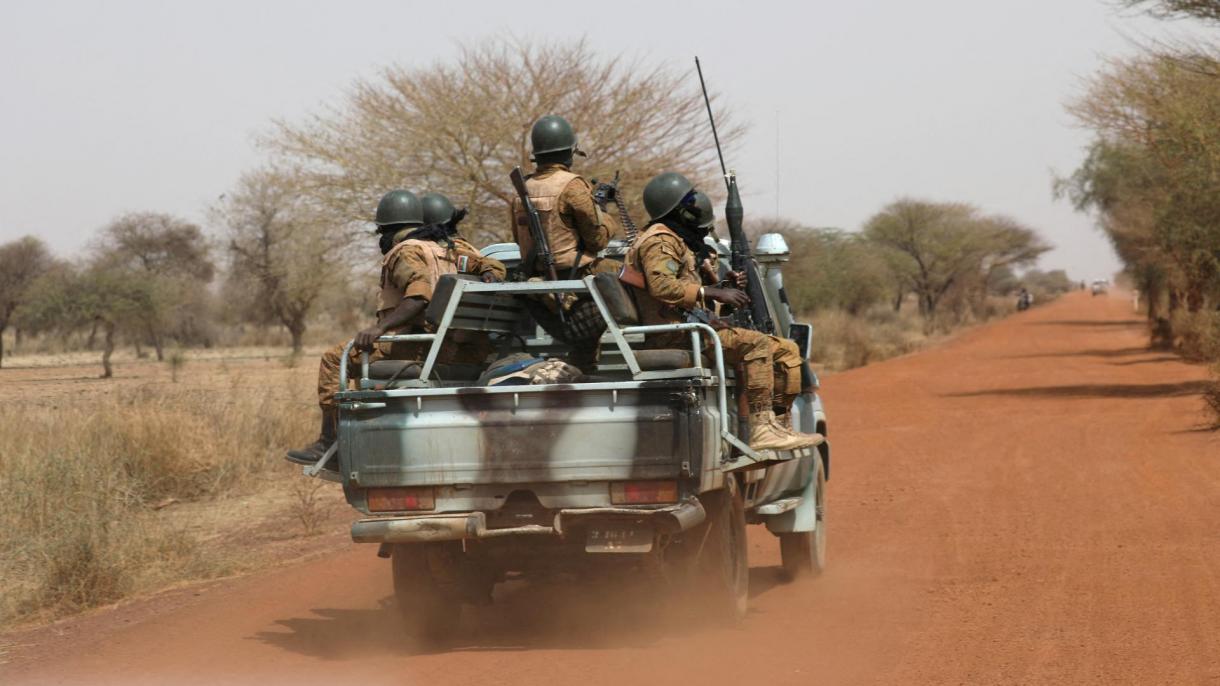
(785,353)
(668,255)
(420,243)
(576,230)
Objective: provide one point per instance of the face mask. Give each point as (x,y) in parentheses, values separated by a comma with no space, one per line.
(386,241)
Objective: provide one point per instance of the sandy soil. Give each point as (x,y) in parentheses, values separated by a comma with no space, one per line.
(1030,503)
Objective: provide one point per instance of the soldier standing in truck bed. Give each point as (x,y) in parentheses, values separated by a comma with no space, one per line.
(419,242)
(665,255)
(576,230)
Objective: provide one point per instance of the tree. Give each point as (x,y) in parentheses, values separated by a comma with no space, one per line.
(173,256)
(280,244)
(1206,10)
(1153,172)
(115,299)
(460,128)
(933,247)
(21,262)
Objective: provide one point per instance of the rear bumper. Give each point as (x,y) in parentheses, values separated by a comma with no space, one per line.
(453,527)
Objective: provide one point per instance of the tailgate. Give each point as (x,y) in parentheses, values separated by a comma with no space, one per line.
(526,434)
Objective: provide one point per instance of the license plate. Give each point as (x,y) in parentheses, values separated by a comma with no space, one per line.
(618,539)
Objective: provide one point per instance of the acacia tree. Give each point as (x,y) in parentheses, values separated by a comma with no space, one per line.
(21,262)
(280,245)
(172,255)
(460,127)
(114,299)
(934,247)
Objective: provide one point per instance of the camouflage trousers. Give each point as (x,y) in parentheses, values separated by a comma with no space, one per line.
(772,365)
(472,349)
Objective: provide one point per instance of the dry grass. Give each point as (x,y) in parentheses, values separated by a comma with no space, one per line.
(81,480)
(841,341)
(1211,396)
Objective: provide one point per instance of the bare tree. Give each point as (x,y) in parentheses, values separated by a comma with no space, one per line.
(459,128)
(282,246)
(21,262)
(169,252)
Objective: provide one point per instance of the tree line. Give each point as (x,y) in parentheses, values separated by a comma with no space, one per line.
(1151,175)
(289,242)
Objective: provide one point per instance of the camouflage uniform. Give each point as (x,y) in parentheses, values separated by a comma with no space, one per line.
(673,284)
(576,230)
(411,270)
(575,227)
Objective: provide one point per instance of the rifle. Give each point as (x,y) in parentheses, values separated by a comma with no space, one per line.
(542,247)
(758,317)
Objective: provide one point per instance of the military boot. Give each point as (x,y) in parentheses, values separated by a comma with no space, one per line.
(784,423)
(765,434)
(314,451)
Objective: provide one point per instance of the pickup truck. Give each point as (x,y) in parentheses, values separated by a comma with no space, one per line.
(641,465)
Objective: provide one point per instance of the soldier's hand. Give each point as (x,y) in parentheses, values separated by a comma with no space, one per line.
(366,339)
(738,278)
(728,296)
(490,277)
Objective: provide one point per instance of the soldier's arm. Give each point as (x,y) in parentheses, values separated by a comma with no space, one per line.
(408,272)
(661,257)
(576,203)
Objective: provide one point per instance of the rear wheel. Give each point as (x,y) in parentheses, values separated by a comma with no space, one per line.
(429,606)
(723,567)
(804,552)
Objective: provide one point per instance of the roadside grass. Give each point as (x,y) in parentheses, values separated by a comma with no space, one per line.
(1211,396)
(83,517)
(843,341)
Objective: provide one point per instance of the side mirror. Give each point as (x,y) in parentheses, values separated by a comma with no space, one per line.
(802,335)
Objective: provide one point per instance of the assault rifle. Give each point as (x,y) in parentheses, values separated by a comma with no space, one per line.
(542,247)
(757,317)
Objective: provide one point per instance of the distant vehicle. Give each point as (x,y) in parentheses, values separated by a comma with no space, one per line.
(1025,300)
(1100,286)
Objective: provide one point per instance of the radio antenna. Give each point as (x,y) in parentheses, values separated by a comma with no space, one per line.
(716,137)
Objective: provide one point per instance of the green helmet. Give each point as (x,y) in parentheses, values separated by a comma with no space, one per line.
(707,215)
(437,208)
(399,207)
(665,192)
(552,133)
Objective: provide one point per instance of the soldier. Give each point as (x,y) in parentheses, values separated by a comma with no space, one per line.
(785,353)
(575,228)
(419,241)
(667,254)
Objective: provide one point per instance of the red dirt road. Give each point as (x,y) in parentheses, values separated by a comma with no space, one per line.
(1030,503)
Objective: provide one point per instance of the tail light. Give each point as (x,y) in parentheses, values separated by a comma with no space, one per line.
(643,492)
(399,499)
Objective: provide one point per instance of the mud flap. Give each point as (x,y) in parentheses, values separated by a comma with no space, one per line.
(801,518)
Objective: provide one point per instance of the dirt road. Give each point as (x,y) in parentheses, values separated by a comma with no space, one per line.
(1030,503)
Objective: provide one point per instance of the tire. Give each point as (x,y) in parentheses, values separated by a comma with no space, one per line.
(430,611)
(723,567)
(804,552)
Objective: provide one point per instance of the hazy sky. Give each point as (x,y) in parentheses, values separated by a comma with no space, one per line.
(107,107)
